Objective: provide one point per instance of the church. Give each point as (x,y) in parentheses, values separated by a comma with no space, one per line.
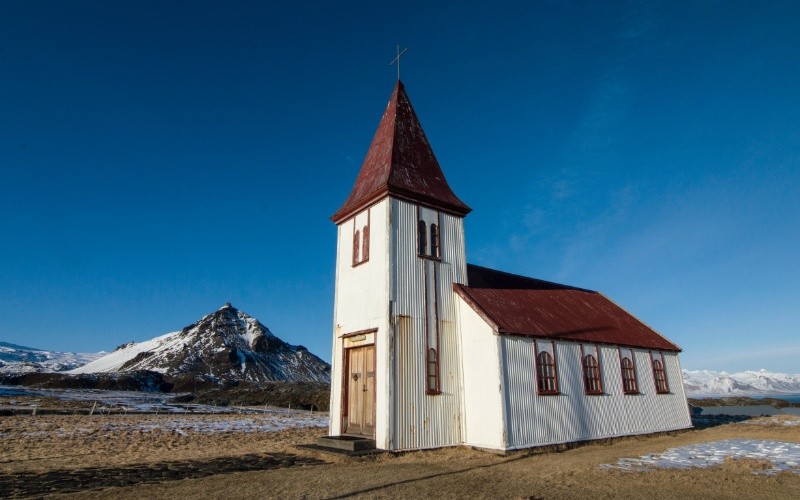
(429,351)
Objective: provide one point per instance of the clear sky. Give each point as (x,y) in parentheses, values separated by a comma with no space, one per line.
(160,158)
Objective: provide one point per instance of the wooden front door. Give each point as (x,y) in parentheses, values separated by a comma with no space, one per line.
(360,402)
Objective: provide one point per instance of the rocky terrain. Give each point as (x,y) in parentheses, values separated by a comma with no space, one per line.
(227,345)
(226,358)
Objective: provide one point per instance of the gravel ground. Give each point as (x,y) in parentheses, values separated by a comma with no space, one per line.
(143,456)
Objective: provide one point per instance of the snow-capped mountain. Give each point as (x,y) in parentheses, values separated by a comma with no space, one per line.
(702,383)
(17,359)
(225,345)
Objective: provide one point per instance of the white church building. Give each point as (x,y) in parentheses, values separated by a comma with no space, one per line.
(429,351)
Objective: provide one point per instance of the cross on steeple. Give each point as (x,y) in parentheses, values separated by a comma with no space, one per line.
(397,60)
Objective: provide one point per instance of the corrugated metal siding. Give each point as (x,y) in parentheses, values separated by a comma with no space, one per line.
(534,420)
(421,420)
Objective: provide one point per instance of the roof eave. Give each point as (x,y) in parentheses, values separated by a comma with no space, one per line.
(544,336)
(665,339)
(463,292)
(346,211)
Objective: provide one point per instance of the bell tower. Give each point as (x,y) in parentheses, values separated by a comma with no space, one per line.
(400,249)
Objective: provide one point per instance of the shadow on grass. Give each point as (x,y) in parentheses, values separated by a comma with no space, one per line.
(65,481)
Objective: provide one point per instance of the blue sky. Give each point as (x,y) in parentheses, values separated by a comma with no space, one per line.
(158,159)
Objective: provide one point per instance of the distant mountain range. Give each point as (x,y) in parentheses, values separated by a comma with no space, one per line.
(225,346)
(17,359)
(704,383)
(229,345)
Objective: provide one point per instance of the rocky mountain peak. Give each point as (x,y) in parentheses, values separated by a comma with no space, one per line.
(227,344)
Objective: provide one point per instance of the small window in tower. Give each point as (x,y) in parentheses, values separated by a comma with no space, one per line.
(422,238)
(433,372)
(356,246)
(365,244)
(435,241)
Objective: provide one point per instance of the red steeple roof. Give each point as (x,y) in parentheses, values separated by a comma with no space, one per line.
(400,163)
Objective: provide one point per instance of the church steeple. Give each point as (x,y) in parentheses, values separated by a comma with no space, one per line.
(399,250)
(400,163)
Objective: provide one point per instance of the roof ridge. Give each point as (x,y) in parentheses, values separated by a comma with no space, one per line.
(492,278)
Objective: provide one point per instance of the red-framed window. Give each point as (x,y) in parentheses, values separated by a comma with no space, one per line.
(365,244)
(356,247)
(429,233)
(361,238)
(659,374)
(629,385)
(433,372)
(422,238)
(591,375)
(435,252)
(546,378)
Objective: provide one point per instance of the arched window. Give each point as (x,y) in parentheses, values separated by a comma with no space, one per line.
(660,377)
(356,246)
(435,241)
(546,373)
(591,375)
(422,238)
(433,371)
(628,376)
(365,244)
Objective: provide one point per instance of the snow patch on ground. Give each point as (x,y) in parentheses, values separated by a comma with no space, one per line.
(186,425)
(785,457)
(130,401)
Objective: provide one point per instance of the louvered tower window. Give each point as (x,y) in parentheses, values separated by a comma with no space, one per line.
(356,247)
(365,244)
(435,241)
(422,238)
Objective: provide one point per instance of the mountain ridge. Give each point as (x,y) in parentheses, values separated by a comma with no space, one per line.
(708,383)
(226,345)
(17,359)
(248,341)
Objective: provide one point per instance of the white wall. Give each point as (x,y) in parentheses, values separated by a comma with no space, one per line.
(482,397)
(361,302)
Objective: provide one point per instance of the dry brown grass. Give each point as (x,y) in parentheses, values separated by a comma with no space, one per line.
(47,448)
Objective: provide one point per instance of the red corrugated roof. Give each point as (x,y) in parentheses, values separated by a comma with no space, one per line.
(525,306)
(400,162)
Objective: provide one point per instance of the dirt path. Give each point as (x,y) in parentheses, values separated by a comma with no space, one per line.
(28,484)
